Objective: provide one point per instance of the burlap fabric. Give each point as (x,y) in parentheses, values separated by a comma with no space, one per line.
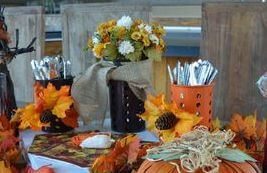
(91,92)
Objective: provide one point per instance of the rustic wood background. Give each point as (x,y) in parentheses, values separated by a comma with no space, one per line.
(81,20)
(234,38)
(29,21)
(161,80)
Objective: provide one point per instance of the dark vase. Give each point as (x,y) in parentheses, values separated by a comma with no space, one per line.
(57,82)
(124,108)
(56,125)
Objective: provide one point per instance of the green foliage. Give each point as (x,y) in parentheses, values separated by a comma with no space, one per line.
(234,155)
(110,52)
(135,56)
(138,46)
(153,54)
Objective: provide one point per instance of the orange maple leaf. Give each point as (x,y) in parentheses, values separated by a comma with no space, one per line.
(125,151)
(4,123)
(64,91)
(71,119)
(49,96)
(243,126)
(62,104)
(4,168)
(29,117)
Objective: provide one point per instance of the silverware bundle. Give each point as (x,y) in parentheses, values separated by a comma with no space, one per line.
(51,68)
(197,73)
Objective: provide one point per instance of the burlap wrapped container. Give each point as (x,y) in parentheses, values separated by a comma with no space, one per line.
(91,92)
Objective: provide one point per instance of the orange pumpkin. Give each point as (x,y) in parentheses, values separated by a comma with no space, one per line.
(225,167)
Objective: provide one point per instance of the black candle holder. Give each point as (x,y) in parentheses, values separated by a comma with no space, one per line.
(57,82)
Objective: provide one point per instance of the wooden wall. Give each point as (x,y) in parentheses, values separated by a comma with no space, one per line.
(161,80)
(81,20)
(234,38)
(30,22)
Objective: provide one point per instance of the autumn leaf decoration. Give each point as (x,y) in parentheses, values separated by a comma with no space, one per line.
(250,132)
(125,152)
(9,151)
(167,119)
(58,101)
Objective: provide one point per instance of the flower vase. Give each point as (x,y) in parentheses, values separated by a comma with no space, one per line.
(124,108)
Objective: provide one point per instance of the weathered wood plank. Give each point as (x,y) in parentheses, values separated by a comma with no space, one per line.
(81,20)
(29,21)
(234,38)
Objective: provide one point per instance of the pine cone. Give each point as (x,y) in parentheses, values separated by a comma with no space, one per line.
(166,121)
(47,116)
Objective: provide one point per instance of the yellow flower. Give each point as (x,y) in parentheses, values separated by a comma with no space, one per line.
(90,43)
(156,107)
(121,31)
(136,36)
(158,29)
(111,23)
(98,50)
(137,22)
(146,41)
(161,43)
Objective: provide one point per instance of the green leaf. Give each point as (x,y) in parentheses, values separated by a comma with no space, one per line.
(234,155)
(153,54)
(110,52)
(134,56)
(165,156)
(138,46)
(85,49)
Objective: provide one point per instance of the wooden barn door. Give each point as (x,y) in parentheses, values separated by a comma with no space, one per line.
(30,22)
(234,38)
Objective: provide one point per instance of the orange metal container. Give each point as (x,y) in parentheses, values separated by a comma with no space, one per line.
(195,99)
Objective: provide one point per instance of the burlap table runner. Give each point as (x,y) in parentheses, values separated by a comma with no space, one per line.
(91,93)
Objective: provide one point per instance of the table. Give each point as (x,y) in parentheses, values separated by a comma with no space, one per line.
(59,166)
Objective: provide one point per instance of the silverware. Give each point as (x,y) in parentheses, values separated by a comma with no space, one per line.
(197,73)
(51,67)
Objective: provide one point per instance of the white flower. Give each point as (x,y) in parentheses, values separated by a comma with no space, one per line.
(95,38)
(148,29)
(125,21)
(125,48)
(154,39)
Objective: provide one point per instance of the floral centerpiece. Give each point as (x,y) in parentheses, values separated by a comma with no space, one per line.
(127,39)
(52,109)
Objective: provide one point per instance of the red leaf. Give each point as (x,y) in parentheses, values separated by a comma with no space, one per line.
(133,150)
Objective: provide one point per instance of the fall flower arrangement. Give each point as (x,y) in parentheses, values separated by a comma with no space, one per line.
(167,119)
(250,133)
(127,39)
(51,107)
